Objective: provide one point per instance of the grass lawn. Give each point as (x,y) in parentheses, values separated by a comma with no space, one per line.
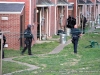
(85,62)
(9,67)
(36,49)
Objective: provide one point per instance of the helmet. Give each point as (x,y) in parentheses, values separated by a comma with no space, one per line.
(29,26)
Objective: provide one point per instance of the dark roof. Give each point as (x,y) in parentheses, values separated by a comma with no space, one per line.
(62,2)
(44,3)
(11,7)
(97,2)
(89,2)
(81,2)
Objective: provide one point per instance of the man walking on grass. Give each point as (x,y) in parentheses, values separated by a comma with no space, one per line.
(28,40)
(76,33)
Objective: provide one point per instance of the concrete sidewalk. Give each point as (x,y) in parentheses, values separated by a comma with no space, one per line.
(60,47)
(31,67)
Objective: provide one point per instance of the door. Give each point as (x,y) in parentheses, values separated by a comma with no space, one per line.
(21,31)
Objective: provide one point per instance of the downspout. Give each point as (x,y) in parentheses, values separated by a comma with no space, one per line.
(47,24)
(83,15)
(30,12)
(40,24)
(86,10)
(67,29)
(94,10)
(79,15)
(67,11)
(62,16)
(49,19)
(55,17)
(97,14)
(76,13)
(90,13)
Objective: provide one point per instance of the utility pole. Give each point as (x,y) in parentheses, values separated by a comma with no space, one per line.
(1,49)
(1,38)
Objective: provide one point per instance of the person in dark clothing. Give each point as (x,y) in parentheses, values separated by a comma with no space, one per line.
(71,21)
(83,24)
(76,33)
(4,42)
(28,40)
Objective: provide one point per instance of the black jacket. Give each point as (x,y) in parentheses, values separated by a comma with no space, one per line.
(75,32)
(71,21)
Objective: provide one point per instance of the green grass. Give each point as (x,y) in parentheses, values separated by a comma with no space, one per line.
(11,53)
(43,48)
(85,62)
(9,67)
(55,36)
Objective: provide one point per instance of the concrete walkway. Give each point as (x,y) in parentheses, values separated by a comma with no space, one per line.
(60,47)
(33,67)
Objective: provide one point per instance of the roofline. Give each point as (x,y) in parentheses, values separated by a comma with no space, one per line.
(89,3)
(42,5)
(81,4)
(86,4)
(22,8)
(10,12)
(4,12)
(67,4)
(71,3)
(62,4)
(70,8)
(12,2)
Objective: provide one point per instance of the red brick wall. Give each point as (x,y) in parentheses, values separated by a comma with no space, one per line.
(92,0)
(34,20)
(12,25)
(57,18)
(26,9)
(52,21)
(70,12)
(26,17)
(74,9)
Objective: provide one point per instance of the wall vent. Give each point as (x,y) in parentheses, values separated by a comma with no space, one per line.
(4,18)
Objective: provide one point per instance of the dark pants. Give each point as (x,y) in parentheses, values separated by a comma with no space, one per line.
(75,43)
(27,46)
(83,28)
(3,54)
(3,50)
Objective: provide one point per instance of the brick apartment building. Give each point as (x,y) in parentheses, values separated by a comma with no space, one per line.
(15,15)
(45,16)
(12,19)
